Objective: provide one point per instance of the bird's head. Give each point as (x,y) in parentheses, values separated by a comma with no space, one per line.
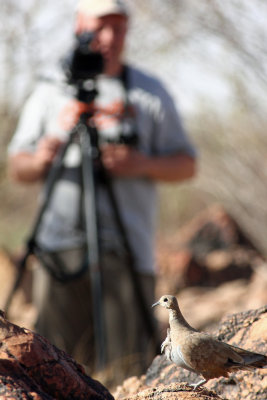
(167,301)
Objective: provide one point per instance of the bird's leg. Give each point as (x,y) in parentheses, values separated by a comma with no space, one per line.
(196,385)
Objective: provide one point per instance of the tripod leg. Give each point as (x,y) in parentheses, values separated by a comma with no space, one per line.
(93,247)
(51,180)
(17,282)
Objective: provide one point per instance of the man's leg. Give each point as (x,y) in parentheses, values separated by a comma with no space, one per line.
(64,314)
(128,343)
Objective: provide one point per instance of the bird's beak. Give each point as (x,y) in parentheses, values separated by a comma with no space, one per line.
(155,304)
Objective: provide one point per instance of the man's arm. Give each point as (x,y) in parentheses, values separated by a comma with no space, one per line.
(124,161)
(32,167)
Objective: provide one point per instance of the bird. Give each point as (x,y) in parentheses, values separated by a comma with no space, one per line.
(200,352)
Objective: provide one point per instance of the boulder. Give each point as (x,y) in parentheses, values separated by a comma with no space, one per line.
(163,379)
(209,250)
(32,368)
(229,297)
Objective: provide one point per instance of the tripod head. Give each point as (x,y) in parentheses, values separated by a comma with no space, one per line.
(86,91)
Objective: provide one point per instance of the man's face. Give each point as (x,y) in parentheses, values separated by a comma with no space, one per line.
(110,32)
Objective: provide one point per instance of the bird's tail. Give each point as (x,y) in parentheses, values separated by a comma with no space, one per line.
(251,360)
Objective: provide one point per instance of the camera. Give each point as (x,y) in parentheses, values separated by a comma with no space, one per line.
(130,139)
(83,63)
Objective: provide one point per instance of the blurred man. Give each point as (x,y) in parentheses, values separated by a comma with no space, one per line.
(129,104)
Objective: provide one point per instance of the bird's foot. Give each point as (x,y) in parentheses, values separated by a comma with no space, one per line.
(198,384)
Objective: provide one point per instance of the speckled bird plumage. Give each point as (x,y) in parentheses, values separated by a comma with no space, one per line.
(202,353)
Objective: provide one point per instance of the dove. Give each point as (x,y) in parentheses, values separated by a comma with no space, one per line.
(200,352)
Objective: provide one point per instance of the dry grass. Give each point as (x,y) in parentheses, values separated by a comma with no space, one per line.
(232,171)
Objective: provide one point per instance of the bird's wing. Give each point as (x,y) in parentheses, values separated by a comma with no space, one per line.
(177,357)
(202,351)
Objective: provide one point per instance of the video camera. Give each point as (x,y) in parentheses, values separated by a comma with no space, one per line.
(83,63)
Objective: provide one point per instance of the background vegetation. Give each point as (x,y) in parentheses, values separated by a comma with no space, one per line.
(212,56)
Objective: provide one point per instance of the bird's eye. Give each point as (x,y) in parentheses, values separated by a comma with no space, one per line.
(165,299)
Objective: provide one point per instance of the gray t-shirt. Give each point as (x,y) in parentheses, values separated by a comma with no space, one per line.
(146,109)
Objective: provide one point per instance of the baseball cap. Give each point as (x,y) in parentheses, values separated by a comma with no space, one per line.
(100,8)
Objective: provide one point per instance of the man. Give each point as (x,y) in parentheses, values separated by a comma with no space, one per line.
(129,103)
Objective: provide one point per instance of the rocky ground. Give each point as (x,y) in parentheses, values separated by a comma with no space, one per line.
(214,270)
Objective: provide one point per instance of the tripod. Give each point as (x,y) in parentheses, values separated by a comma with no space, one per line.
(85,133)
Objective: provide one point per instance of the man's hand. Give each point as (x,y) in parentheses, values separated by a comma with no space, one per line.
(45,153)
(123,161)
(32,167)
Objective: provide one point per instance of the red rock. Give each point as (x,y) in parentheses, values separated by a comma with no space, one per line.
(207,251)
(31,368)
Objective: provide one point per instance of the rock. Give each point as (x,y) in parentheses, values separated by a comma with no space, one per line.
(247,330)
(214,229)
(209,250)
(234,296)
(130,387)
(32,368)
(173,391)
